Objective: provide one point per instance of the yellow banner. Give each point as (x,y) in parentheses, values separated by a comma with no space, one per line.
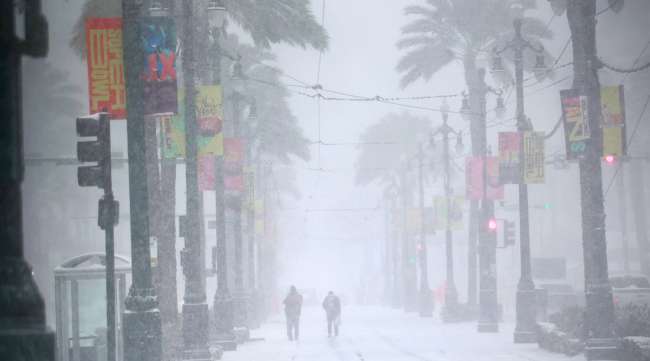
(533,157)
(455,216)
(613,120)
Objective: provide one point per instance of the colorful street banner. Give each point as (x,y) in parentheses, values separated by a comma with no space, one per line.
(474,178)
(576,123)
(106,87)
(509,162)
(209,113)
(455,216)
(613,120)
(533,171)
(159,73)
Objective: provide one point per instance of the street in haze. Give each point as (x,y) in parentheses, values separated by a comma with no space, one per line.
(326,180)
(382,334)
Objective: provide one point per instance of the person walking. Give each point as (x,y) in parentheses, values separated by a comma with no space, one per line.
(292,309)
(332,306)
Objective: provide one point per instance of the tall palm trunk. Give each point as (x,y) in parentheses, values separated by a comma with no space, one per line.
(469,64)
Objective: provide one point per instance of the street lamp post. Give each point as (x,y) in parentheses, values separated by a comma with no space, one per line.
(23,331)
(426,299)
(449,313)
(195,307)
(224,335)
(526,323)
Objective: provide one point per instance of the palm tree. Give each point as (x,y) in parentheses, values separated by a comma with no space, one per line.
(276,130)
(445,31)
(388,146)
(267,22)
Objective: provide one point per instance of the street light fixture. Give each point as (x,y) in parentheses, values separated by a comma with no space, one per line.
(158,8)
(216,14)
(526,322)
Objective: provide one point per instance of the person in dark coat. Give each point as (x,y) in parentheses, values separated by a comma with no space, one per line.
(292,309)
(332,306)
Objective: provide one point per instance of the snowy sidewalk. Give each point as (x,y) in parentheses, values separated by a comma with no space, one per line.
(382,334)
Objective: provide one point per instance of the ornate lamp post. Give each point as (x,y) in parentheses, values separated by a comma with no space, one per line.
(449,313)
(224,335)
(526,323)
(24,334)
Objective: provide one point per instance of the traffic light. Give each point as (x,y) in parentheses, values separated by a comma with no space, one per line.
(610,159)
(508,233)
(98,150)
(492,225)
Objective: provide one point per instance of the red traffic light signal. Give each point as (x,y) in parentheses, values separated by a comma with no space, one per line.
(610,159)
(492,225)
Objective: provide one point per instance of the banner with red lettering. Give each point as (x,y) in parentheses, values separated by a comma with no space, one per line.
(106,87)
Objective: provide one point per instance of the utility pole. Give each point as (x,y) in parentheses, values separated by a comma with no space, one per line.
(195,308)
(601,342)
(525,330)
(426,299)
(24,334)
(142,323)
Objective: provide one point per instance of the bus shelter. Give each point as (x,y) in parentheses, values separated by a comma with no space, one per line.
(80,304)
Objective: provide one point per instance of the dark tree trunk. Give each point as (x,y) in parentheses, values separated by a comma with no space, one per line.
(599,310)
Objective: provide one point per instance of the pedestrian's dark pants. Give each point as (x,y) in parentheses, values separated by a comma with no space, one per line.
(332,326)
(293,328)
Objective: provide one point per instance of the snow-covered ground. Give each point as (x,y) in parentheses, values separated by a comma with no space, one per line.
(382,334)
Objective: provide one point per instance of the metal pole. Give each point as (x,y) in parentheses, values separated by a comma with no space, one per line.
(601,341)
(426,301)
(23,332)
(451,296)
(222,302)
(110,246)
(525,329)
(408,265)
(240,297)
(488,304)
(623,217)
(195,308)
(142,324)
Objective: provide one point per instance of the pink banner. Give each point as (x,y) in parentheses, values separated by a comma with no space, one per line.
(474,178)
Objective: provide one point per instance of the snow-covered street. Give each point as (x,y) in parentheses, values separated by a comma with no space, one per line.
(378,333)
